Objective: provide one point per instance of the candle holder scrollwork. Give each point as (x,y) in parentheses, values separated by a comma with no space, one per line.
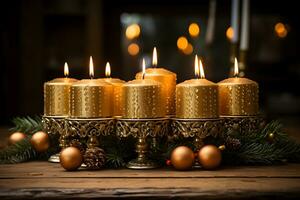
(141,129)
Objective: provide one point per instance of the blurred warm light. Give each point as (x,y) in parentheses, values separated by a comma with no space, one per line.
(66,70)
(154,57)
(202,74)
(196,64)
(133,31)
(107,70)
(91,66)
(194,29)
(182,43)
(280,30)
(229,33)
(188,50)
(133,49)
(236,68)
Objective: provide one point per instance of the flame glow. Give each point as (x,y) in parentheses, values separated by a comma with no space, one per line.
(66,69)
(202,75)
(236,68)
(196,67)
(154,57)
(91,68)
(107,70)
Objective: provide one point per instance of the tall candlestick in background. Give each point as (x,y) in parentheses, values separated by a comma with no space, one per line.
(238,96)
(117,93)
(167,80)
(235,19)
(91,98)
(143,98)
(197,98)
(57,95)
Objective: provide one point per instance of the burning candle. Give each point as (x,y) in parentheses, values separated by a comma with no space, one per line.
(91,98)
(57,95)
(117,90)
(197,98)
(143,98)
(238,96)
(167,80)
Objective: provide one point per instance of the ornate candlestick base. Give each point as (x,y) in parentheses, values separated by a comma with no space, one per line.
(141,129)
(54,125)
(199,129)
(243,124)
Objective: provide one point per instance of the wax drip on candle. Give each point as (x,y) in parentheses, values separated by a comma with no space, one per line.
(154,57)
(236,68)
(91,67)
(66,70)
(144,68)
(107,70)
(197,73)
(202,75)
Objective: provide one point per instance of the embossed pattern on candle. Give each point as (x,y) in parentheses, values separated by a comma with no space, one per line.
(91,99)
(168,81)
(143,99)
(238,97)
(197,98)
(57,97)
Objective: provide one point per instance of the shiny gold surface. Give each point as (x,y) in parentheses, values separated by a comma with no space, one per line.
(57,96)
(143,99)
(168,81)
(117,94)
(196,99)
(91,98)
(238,96)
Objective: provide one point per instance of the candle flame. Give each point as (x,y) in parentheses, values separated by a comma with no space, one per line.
(66,69)
(196,67)
(202,74)
(91,67)
(107,70)
(236,68)
(154,57)
(144,68)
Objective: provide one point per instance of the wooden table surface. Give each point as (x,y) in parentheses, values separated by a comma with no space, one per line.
(44,180)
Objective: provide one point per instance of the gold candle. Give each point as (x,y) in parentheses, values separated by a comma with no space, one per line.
(117,90)
(143,98)
(57,95)
(91,98)
(238,96)
(167,80)
(197,98)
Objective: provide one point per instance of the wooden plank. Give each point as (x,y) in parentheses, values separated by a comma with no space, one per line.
(49,170)
(153,187)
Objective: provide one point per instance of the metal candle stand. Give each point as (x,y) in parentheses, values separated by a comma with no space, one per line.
(54,125)
(141,129)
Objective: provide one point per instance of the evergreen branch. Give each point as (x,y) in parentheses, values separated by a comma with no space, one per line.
(27,125)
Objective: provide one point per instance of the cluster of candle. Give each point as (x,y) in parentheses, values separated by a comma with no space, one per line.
(153,94)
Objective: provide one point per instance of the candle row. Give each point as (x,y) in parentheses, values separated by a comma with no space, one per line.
(153,94)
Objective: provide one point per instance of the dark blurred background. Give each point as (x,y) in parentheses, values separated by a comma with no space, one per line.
(38,36)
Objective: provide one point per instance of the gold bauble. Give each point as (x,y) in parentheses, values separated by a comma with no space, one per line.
(40,141)
(209,157)
(182,158)
(70,158)
(16,137)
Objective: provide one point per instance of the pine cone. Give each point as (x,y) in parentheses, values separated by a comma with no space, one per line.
(76,143)
(232,143)
(94,158)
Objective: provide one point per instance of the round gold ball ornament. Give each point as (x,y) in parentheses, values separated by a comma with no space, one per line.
(40,141)
(16,137)
(210,157)
(70,158)
(182,158)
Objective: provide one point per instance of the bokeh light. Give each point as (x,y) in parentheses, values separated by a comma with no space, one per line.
(133,31)
(133,49)
(182,43)
(229,33)
(280,30)
(188,50)
(194,29)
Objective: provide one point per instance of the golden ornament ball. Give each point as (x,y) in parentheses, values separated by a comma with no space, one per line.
(16,137)
(40,141)
(210,157)
(182,158)
(70,158)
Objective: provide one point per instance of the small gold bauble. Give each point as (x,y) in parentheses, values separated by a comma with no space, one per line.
(70,158)
(209,157)
(182,158)
(16,137)
(40,141)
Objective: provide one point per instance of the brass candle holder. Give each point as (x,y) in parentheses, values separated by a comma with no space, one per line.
(141,129)
(55,125)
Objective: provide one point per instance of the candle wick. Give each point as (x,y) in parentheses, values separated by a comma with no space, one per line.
(143,76)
